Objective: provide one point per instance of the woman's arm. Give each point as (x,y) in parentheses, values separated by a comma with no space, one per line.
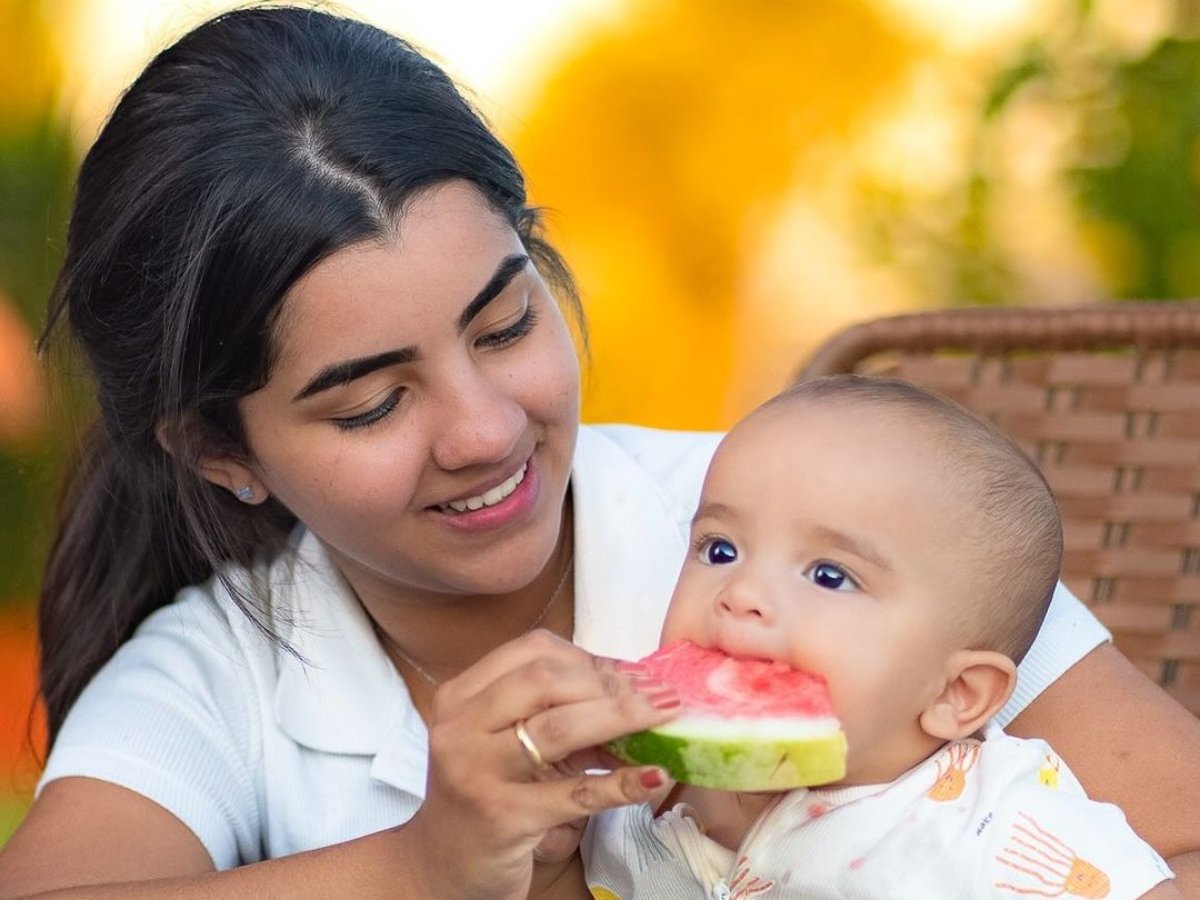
(83,833)
(488,814)
(1131,745)
(113,843)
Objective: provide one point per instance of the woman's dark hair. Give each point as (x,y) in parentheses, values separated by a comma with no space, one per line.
(253,148)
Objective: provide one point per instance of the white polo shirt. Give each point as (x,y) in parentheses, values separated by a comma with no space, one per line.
(262,755)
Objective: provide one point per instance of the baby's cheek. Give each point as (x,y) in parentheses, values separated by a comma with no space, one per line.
(682,622)
(671,630)
(854,704)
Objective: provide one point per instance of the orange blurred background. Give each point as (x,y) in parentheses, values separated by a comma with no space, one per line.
(731,180)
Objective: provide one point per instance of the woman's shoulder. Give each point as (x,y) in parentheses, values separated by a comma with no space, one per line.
(199,641)
(676,460)
(232,616)
(178,716)
(642,441)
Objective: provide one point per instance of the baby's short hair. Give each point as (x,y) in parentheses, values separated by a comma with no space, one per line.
(1019,539)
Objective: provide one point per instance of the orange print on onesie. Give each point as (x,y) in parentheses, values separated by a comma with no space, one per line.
(1050,868)
(952,767)
(744,885)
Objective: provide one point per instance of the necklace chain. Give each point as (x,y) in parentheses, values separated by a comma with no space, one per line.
(436,682)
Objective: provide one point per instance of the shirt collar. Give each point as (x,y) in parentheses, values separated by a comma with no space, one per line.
(340,693)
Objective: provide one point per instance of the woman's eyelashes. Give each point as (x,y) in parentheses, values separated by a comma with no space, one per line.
(510,333)
(502,337)
(373,415)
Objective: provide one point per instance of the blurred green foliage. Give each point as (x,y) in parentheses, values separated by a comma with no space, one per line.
(36,164)
(1126,113)
(1149,192)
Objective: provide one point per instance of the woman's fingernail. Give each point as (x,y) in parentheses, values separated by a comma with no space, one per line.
(652,778)
(646,684)
(665,699)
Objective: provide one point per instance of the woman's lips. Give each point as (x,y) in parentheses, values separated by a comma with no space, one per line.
(489,497)
(507,502)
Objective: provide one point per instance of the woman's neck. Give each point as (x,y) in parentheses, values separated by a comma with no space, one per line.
(431,637)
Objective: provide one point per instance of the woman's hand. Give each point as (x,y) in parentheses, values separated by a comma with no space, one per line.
(496,803)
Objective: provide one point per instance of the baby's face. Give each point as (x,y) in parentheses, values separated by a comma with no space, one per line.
(832,539)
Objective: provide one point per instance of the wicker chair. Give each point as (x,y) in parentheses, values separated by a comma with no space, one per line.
(1107,400)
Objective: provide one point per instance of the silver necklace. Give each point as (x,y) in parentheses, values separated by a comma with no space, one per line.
(386,638)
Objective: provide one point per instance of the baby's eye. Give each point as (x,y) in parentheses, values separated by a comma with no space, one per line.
(717,551)
(831,576)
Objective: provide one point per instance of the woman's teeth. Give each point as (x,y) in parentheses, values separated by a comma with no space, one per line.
(487,498)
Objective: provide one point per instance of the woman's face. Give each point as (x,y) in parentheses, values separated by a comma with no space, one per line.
(422,413)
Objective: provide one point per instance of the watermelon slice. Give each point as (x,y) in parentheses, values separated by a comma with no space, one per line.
(746,724)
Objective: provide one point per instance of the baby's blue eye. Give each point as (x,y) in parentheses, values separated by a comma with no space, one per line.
(831,577)
(719,551)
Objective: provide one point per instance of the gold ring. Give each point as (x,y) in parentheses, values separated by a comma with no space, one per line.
(530,748)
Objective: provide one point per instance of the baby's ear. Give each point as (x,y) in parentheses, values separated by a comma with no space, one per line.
(978,682)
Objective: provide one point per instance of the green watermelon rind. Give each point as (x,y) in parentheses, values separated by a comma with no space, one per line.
(738,763)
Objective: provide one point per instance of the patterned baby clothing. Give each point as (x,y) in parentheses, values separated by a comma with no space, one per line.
(1000,818)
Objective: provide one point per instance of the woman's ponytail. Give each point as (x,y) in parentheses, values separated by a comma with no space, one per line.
(119,554)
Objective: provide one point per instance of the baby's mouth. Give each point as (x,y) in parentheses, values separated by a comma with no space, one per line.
(489,497)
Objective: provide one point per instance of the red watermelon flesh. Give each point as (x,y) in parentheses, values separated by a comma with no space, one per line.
(712,682)
(746,724)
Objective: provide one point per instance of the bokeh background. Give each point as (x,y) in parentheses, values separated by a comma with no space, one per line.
(732,181)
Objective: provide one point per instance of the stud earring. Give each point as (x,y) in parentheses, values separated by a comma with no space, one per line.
(245,493)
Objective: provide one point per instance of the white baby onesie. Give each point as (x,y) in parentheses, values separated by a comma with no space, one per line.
(1001,818)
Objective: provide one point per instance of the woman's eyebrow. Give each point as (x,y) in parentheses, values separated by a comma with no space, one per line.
(509,268)
(342,373)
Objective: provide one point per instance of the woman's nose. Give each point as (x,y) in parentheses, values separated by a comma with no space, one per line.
(475,422)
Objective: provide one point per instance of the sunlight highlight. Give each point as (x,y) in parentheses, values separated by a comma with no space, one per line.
(963,24)
(497,51)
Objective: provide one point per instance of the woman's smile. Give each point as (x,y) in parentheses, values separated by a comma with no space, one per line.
(508,502)
(490,497)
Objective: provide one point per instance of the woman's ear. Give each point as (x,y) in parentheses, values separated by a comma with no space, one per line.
(228,472)
(978,682)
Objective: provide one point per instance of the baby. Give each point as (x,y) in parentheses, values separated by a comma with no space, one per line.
(882,537)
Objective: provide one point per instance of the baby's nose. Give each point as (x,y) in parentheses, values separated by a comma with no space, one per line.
(744,598)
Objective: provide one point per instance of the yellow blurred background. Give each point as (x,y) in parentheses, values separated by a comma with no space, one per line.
(731,180)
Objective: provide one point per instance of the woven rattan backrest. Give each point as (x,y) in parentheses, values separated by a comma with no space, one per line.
(1106,399)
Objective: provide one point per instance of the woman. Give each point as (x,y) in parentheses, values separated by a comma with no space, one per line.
(339,418)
